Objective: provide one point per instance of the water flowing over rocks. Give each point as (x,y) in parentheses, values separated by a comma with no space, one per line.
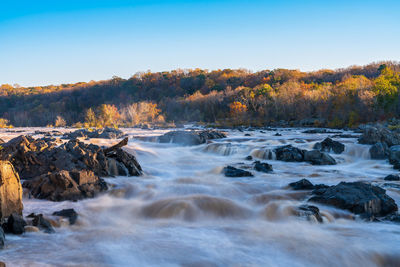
(42,223)
(329,145)
(106,133)
(190,138)
(310,212)
(230,171)
(70,214)
(10,191)
(360,198)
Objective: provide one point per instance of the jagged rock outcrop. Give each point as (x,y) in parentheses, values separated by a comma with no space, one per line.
(190,138)
(106,133)
(372,135)
(10,191)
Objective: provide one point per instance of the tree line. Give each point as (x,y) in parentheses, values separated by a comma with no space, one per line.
(334,98)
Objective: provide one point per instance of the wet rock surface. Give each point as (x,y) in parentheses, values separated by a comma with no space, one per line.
(372,135)
(293,154)
(262,167)
(392,177)
(230,171)
(42,223)
(379,151)
(360,198)
(329,145)
(15,224)
(70,214)
(190,138)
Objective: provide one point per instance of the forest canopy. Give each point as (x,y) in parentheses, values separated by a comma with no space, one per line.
(334,98)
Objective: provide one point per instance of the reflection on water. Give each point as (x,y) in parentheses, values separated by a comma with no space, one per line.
(184,212)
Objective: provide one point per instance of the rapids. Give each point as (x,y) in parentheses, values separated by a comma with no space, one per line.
(184,212)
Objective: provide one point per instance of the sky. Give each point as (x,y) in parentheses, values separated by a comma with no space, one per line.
(55,42)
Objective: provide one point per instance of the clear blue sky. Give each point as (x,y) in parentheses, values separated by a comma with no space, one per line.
(60,41)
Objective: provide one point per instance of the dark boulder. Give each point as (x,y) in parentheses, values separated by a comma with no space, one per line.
(394,156)
(42,223)
(262,167)
(15,224)
(329,145)
(106,133)
(249,158)
(190,138)
(392,177)
(277,134)
(66,185)
(320,131)
(230,171)
(289,153)
(379,151)
(317,157)
(360,198)
(303,184)
(2,238)
(70,214)
(372,135)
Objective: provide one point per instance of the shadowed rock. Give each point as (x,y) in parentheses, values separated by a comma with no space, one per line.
(372,135)
(392,177)
(262,167)
(360,198)
(394,156)
(379,151)
(230,171)
(15,224)
(303,184)
(317,157)
(329,145)
(106,133)
(190,138)
(42,223)
(70,214)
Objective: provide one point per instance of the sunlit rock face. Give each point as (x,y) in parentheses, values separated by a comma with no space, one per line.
(10,191)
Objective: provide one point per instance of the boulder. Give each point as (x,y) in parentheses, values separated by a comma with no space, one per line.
(394,156)
(70,214)
(42,223)
(392,177)
(372,135)
(190,138)
(15,224)
(10,191)
(230,171)
(317,157)
(303,184)
(66,185)
(360,198)
(310,212)
(379,151)
(289,153)
(329,145)
(262,167)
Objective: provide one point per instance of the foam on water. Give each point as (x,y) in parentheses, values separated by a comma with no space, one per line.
(184,212)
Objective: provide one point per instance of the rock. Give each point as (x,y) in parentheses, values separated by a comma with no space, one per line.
(2,264)
(106,133)
(247,134)
(42,223)
(394,156)
(2,238)
(372,135)
(379,151)
(289,153)
(320,131)
(277,134)
(392,177)
(230,171)
(345,136)
(357,197)
(127,162)
(249,158)
(65,185)
(30,229)
(70,214)
(303,184)
(15,224)
(310,212)
(317,157)
(190,138)
(329,145)
(262,167)
(10,191)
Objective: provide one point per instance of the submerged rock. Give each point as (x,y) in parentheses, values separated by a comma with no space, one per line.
(230,171)
(392,177)
(190,138)
(317,157)
(66,185)
(70,214)
(262,167)
(357,197)
(10,191)
(329,145)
